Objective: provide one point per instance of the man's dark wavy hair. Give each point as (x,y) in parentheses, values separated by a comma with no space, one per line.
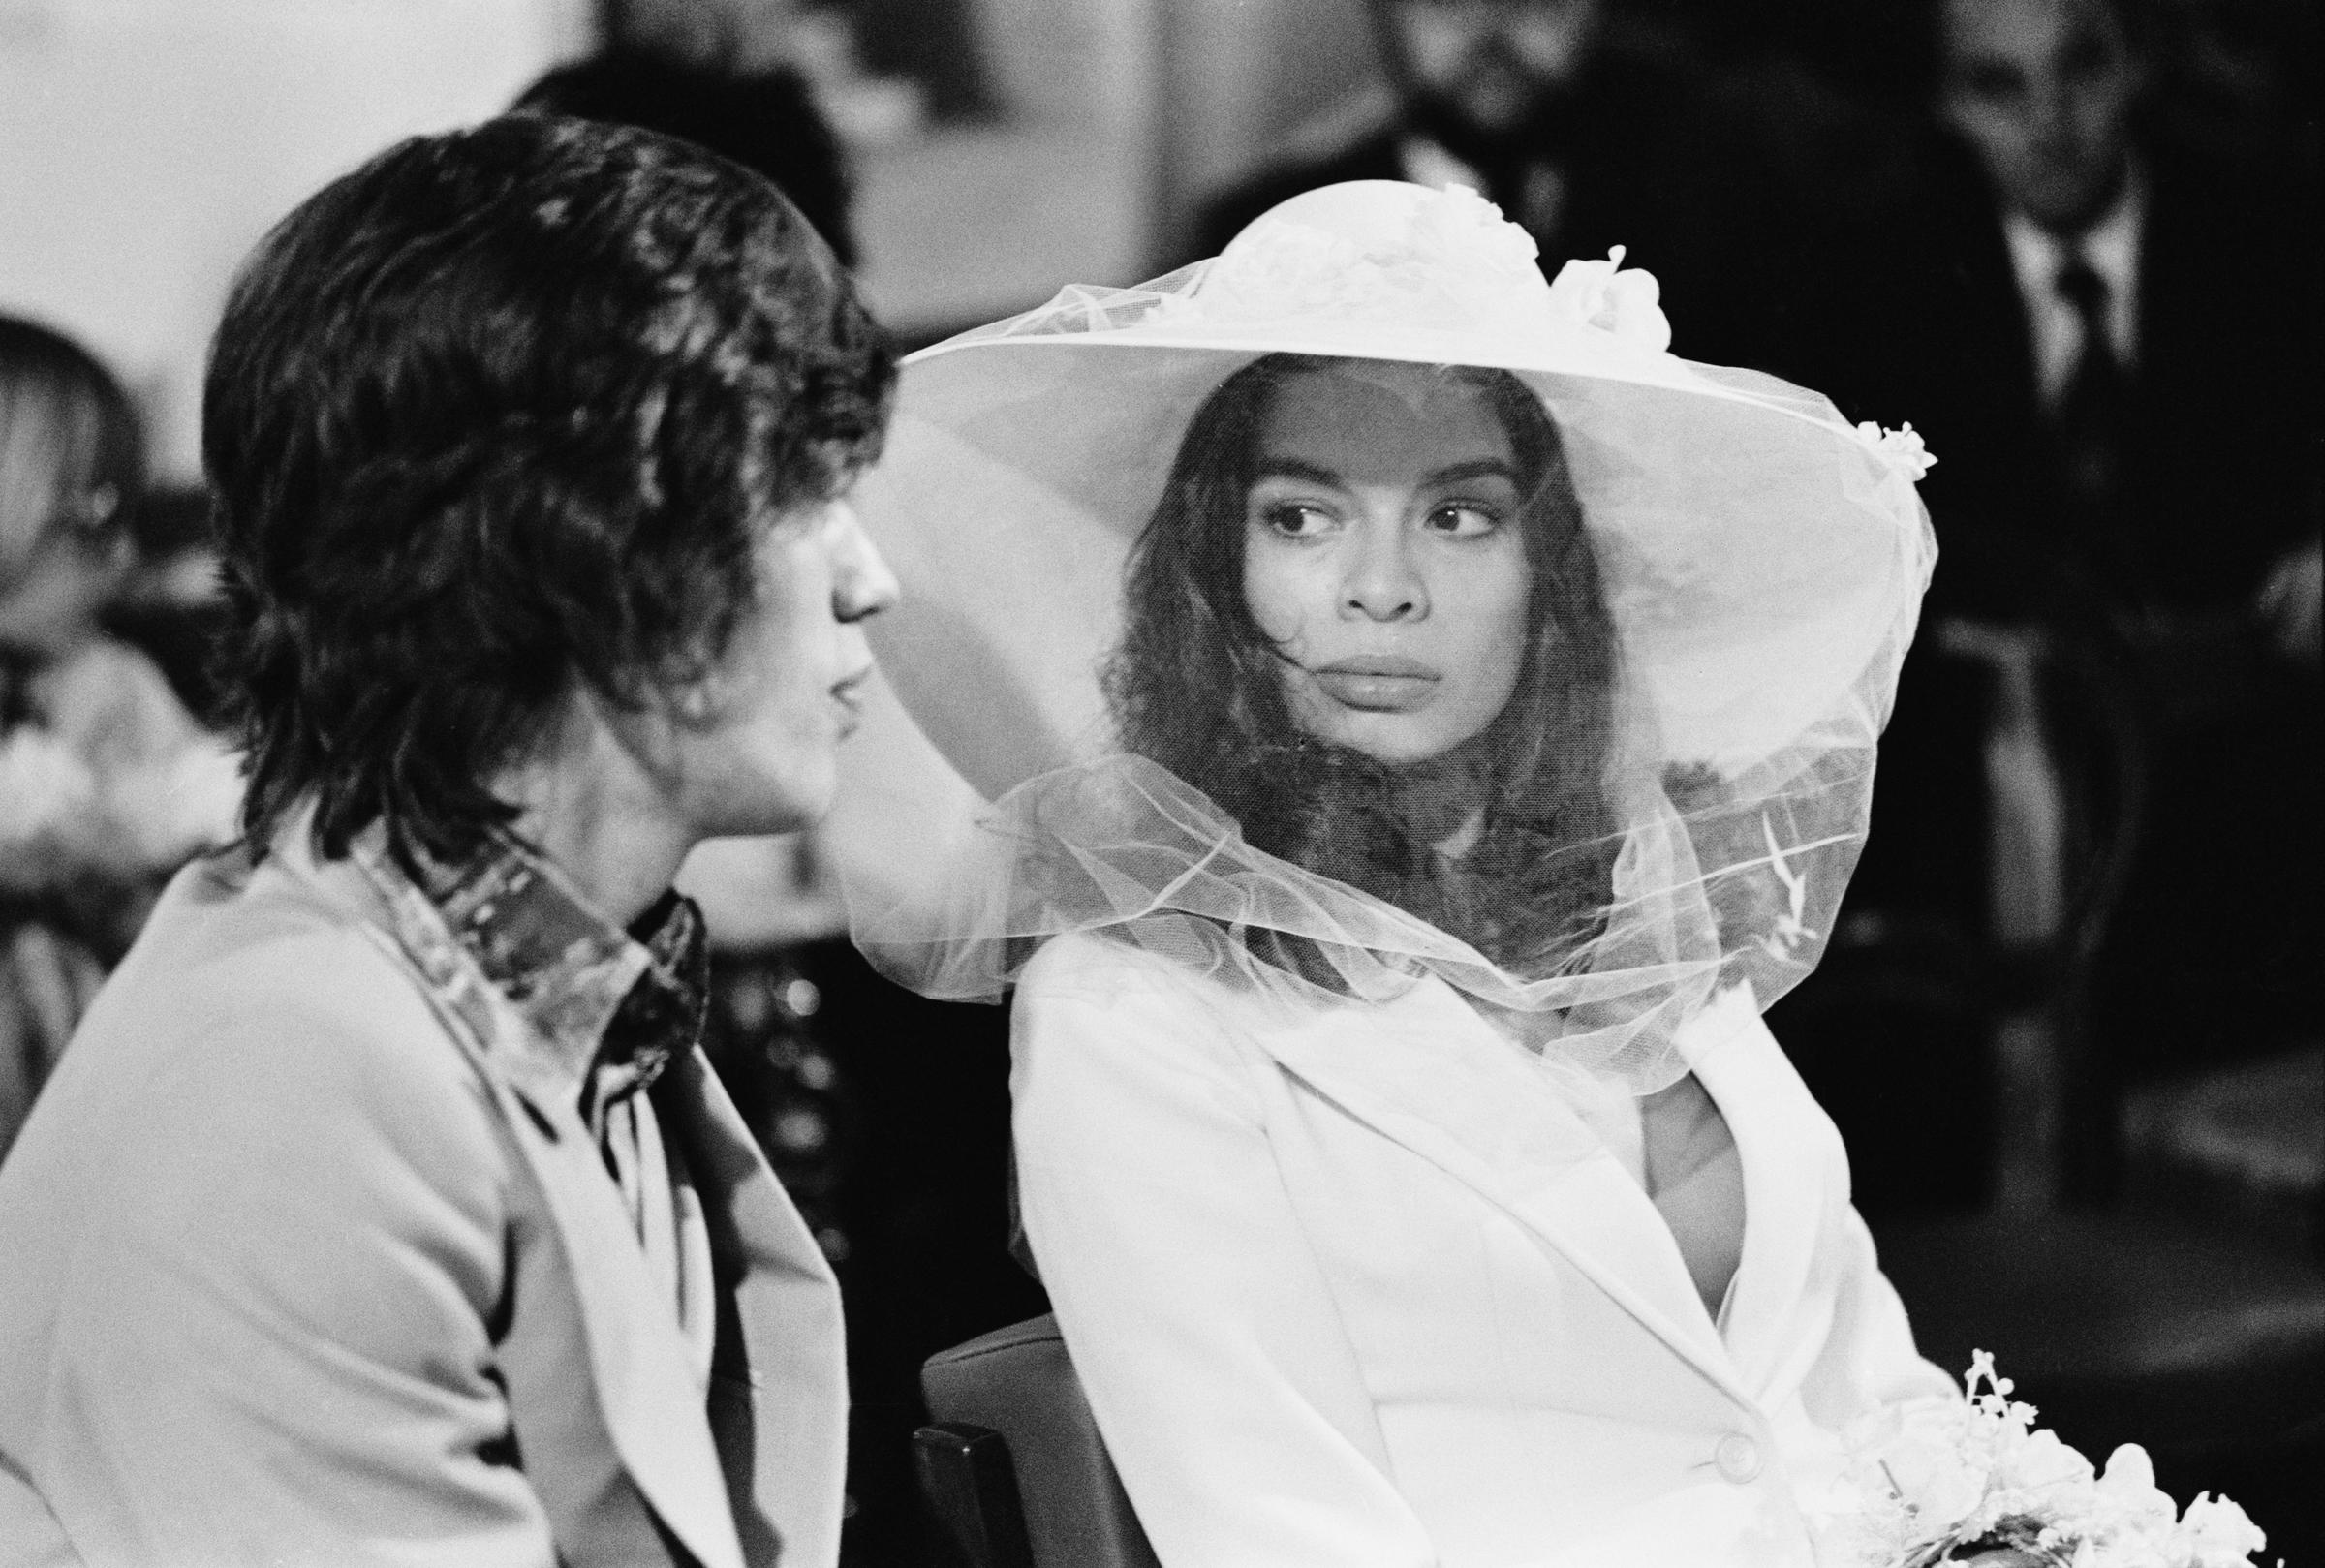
(503,410)
(1197,687)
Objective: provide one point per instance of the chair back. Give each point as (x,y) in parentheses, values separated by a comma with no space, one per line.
(1016,1388)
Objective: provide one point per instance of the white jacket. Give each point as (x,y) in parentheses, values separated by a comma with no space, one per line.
(1361,1290)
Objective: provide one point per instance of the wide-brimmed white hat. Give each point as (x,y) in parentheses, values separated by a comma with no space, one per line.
(1762,561)
(1765,553)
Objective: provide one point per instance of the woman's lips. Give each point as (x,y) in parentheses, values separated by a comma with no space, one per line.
(1378,683)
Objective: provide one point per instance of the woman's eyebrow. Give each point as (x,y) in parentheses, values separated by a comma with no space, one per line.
(1482,468)
(1294,468)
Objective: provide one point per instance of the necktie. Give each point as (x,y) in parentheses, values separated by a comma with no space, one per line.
(2089,428)
(2089,414)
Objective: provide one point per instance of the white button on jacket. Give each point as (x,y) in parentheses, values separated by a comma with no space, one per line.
(1738,1457)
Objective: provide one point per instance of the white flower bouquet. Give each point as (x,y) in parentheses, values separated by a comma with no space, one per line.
(1949,1481)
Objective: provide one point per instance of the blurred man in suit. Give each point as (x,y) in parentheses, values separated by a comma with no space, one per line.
(2116,333)
(2110,339)
(385,1209)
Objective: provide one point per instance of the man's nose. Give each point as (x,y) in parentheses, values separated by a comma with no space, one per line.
(861,583)
(2049,109)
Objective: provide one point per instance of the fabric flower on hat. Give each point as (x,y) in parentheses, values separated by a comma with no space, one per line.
(1456,259)
(1625,301)
(1466,225)
(1289,268)
(1903,446)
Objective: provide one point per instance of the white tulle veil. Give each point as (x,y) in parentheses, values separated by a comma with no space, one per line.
(1677,811)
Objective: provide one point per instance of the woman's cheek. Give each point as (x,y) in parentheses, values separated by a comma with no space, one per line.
(1277,596)
(1500,611)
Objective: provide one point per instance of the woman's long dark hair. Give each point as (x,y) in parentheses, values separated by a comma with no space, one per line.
(1197,687)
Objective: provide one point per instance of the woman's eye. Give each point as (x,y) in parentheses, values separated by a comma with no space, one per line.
(1295,521)
(1463,519)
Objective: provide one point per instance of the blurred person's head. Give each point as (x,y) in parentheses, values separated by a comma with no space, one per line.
(1486,68)
(71,463)
(2044,90)
(735,35)
(532,430)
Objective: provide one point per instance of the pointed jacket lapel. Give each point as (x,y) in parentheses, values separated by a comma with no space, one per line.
(652,1401)
(788,1357)
(1429,1073)
(1783,1143)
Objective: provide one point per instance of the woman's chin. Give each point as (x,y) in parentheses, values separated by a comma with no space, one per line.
(1394,740)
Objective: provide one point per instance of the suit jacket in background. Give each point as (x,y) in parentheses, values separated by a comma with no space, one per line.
(2222,430)
(302,1267)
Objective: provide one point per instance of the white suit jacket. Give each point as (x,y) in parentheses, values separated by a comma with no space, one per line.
(1360,1290)
(296,1267)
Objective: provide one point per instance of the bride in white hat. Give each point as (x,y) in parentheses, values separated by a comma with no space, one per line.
(1396,726)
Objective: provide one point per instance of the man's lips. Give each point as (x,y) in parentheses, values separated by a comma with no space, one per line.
(848,693)
(1378,683)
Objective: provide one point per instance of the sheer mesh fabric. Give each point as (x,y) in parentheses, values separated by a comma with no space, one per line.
(1664,807)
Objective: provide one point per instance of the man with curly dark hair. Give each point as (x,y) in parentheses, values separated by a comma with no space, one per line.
(385,1209)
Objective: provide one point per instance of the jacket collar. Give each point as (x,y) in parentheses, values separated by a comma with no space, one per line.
(646,1388)
(605,1009)
(1789,1150)
(1428,1072)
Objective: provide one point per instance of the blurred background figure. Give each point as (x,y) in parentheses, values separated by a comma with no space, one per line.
(107,783)
(2130,467)
(717,72)
(2084,909)
(2068,265)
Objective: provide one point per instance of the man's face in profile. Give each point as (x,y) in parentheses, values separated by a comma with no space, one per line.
(1491,62)
(2043,89)
(751,747)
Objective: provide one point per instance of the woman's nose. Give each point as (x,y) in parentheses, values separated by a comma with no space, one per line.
(1383,582)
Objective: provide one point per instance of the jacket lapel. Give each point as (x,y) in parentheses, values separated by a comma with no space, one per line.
(1429,1073)
(649,1397)
(783,1351)
(1783,1141)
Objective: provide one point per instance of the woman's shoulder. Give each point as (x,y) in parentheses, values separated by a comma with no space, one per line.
(1732,1012)
(1160,993)
(1107,1029)
(1119,963)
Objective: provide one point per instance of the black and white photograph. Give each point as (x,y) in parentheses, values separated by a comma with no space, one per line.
(1162,784)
